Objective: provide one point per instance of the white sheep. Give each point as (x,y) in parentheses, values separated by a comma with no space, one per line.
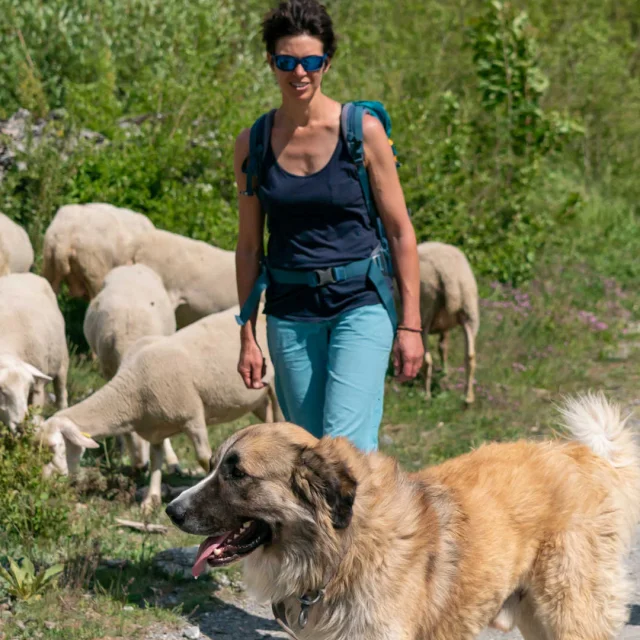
(448,298)
(166,385)
(132,304)
(199,278)
(33,347)
(85,241)
(16,252)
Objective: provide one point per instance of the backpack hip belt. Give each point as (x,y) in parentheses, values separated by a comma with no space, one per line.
(375,268)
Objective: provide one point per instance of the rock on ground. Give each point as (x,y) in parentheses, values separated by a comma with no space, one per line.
(176,562)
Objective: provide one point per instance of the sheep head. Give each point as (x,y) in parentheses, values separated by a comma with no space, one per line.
(17,379)
(66,442)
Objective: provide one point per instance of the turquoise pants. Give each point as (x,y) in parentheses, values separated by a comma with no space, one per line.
(330,374)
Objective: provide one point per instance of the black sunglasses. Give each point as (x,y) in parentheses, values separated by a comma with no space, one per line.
(309,63)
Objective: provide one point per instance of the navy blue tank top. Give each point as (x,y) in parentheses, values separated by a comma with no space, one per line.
(314,222)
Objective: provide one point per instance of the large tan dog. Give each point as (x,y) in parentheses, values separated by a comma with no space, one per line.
(349,547)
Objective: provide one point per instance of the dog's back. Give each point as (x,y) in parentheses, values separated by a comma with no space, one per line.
(554,521)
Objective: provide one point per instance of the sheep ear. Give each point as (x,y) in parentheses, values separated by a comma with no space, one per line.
(36,373)
(74,435)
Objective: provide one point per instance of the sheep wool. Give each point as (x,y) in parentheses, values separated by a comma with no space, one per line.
(167,385)
(16,252)
(33,347)
(448,298)
(199,278)
(85,241)
(132,304)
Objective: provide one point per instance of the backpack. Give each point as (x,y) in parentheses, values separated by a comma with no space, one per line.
(351,131)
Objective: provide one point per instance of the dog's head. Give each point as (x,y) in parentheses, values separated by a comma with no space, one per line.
(275,492)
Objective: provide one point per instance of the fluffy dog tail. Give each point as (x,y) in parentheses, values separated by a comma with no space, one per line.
(598,424)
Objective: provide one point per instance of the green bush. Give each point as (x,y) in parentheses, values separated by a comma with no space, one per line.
(182,185)
(488,103)
(31,507)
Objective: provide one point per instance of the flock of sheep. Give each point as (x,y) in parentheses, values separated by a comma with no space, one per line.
(161,323)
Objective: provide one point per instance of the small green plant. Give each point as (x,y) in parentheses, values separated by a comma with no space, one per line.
(23,583)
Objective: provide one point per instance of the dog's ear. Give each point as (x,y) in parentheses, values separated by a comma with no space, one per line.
(322,476)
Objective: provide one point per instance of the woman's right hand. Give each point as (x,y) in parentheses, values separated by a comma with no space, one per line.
(252,366)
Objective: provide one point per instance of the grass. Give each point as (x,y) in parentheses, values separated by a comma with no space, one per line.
(535,344)
(574,327)
(63,615)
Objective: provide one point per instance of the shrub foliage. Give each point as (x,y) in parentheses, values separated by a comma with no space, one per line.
(30,506)
(490,103)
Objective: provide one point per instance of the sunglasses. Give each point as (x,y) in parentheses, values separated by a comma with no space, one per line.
(309,63)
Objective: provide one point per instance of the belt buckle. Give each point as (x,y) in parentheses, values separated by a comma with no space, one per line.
(325,276)
(378,258)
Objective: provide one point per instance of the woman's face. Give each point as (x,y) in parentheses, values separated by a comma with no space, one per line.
(299,84)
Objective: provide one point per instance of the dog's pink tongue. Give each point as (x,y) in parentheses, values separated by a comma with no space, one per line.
(205,550)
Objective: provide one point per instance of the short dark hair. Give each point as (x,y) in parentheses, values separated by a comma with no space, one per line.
(296,18)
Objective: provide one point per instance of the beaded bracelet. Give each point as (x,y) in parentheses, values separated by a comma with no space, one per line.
(403,328)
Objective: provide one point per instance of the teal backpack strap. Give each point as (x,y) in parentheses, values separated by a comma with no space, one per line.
(259,140)
(351,121)
(351,129)
(258,144)
(261,283)
(376,276)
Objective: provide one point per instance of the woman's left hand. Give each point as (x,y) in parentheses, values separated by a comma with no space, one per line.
(408,355)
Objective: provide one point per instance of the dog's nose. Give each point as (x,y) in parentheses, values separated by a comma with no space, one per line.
(176,513)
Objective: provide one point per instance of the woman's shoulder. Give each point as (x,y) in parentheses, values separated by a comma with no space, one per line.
(372,129)
(242,142)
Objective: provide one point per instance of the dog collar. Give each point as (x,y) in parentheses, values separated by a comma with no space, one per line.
(306,601)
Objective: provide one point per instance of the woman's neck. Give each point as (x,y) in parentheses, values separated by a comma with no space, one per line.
(295,113)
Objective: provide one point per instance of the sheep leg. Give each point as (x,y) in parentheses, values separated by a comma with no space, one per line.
(60,387)
(170,457)
(278,416)
(138,449)
(443,349)
(38,394)
(197,431)
(264,412)
(154,495)
(470,360)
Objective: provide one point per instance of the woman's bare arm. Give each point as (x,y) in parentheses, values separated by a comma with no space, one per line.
(249,252)
(389,199)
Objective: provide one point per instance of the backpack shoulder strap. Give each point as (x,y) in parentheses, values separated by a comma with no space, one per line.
(258,144)
(351,130)
(344,122)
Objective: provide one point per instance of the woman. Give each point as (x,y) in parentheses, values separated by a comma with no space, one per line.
(329,344)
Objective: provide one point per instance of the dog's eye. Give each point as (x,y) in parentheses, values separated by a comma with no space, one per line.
(237,473)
